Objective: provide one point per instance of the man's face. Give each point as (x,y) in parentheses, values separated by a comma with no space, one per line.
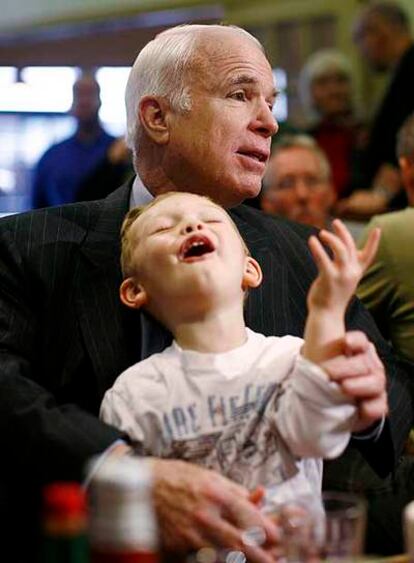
(298,190)
(187,252)
(221,146)
(407,175)
(331,94)
(372,38)
(86,100)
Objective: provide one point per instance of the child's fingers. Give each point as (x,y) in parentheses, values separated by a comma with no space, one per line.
(367,253)
(322,260)
(343,233)
(337,246)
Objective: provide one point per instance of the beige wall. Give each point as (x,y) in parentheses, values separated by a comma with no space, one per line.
(18,13)
(23,13)
(290,29)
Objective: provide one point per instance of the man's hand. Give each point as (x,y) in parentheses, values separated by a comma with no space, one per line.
(197,507)
(360,373)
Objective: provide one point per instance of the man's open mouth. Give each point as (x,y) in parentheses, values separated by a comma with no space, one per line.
(195,247)
(259,156)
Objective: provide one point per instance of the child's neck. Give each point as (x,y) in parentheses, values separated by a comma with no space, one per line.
(214,333)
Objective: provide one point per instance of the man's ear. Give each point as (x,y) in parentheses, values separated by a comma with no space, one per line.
(152,113)
(252,273)
(404,163)
(132,295)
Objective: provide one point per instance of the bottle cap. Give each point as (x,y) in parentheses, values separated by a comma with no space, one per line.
(64,508)
(121,509)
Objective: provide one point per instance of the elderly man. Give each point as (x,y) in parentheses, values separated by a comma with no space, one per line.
(297,184)
(199,106)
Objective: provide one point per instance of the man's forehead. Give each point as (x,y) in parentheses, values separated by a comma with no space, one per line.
(236,57)
(295,158)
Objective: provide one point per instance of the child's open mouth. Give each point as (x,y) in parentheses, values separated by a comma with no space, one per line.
(195,246)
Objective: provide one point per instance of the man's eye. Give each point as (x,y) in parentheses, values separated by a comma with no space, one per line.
(286,184)
(239,95)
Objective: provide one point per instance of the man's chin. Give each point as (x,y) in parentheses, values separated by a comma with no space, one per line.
(239,195)
(308,219)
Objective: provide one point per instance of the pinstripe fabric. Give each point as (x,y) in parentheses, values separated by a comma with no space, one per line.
(64,335)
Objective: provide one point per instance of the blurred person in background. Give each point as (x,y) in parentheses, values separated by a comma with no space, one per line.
(60,172)
(297,184)
(382,34)
(387,289)
(114,169)
(326,92)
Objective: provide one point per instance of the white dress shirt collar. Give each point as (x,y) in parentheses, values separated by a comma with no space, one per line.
(139,194)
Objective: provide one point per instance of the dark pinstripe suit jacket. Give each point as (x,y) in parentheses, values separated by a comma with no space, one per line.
(64,336)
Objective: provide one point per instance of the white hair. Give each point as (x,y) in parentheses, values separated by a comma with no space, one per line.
(321,63)
(298,141)
(161,69)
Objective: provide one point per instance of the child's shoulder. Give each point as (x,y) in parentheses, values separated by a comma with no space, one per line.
(282,344)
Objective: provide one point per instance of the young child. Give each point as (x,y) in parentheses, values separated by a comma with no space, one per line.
(261,410)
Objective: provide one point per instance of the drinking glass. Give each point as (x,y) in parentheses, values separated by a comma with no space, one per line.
(343,526)
(332,530)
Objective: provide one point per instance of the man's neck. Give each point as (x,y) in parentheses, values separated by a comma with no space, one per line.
(150,169)
(88,132)
(400,47)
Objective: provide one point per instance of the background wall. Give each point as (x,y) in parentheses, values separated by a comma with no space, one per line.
(91,33)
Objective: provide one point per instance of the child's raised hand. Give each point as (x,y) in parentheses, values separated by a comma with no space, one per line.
(339,275)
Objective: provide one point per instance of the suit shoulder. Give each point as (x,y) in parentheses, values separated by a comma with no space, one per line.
(247,217)
(51,223)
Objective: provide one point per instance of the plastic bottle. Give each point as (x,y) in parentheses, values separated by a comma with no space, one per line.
(64,524)
(122,525)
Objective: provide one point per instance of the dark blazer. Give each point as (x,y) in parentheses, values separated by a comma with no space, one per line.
(396,106)
(65,337)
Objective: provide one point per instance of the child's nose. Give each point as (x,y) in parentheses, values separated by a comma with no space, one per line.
(193,226)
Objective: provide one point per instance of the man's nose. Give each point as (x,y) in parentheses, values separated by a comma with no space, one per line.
(265,121)
(302,190)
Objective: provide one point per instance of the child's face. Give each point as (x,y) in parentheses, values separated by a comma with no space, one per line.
(186,247)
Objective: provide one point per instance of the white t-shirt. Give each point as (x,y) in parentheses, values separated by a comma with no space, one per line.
(259,414)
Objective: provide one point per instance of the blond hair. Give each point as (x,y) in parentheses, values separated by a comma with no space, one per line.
(127,243)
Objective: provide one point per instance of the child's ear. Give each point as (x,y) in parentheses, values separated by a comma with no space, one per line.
(132,295)
(252,273)
(152,114)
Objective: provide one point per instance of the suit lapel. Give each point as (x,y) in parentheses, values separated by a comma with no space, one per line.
(267,308)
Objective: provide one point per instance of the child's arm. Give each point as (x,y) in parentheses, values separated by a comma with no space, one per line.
(333,288)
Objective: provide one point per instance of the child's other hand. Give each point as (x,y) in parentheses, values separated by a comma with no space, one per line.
(339,275)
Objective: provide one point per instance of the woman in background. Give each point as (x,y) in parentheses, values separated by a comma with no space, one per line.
(326,91)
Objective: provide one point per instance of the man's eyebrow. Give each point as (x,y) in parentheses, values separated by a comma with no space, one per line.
(248,79)
(242,79)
